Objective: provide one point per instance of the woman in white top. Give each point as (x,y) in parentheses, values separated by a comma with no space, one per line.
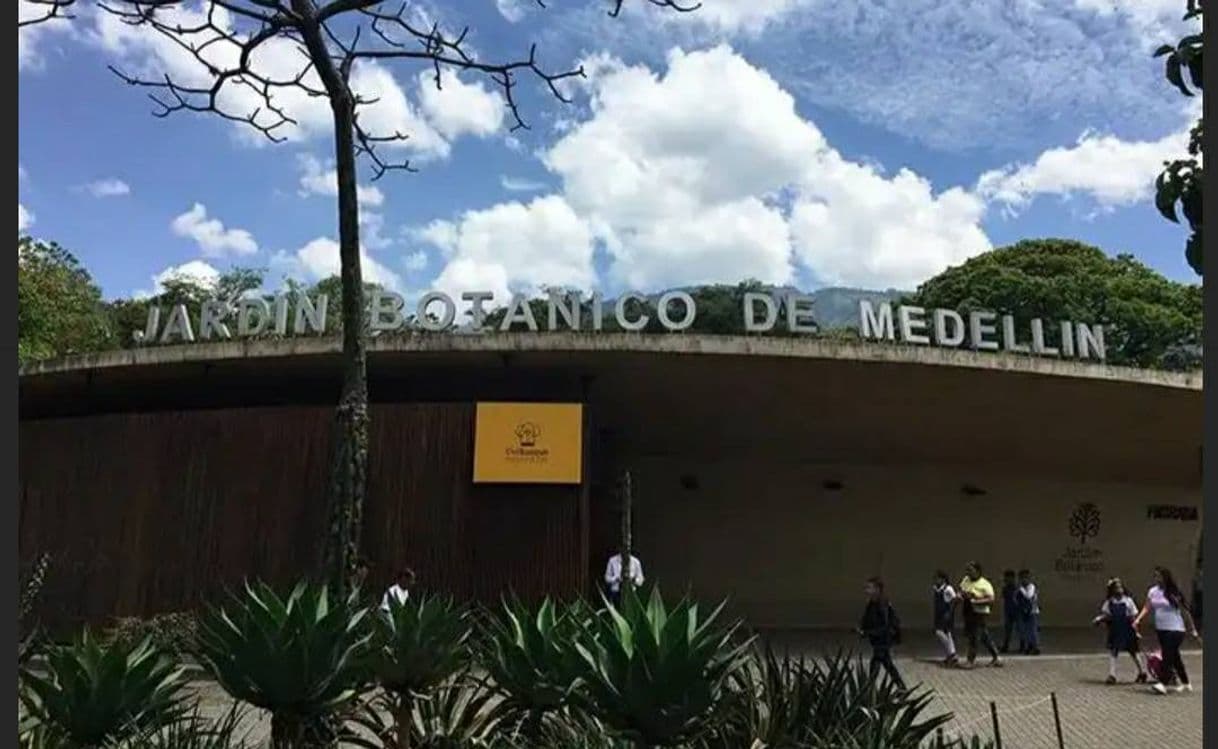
(1171,616)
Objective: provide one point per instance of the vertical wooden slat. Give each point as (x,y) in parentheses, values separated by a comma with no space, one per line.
(145,513)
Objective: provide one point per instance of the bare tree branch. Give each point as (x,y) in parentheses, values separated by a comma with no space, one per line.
(51,9)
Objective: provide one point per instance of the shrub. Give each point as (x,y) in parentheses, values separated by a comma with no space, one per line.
(418,644)
(656,675)
(175,632)
(93,693)
(295,656)
(531,656)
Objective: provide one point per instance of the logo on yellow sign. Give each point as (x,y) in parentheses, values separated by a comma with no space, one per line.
(528,443)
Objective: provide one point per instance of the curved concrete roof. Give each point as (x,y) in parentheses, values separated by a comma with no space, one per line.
(670,344)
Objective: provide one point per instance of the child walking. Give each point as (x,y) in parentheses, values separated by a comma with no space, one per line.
(882,629)
(1027,600)
(1010,610)
(1118,612)
(944,608)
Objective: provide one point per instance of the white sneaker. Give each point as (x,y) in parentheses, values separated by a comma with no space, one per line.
(1181,688)
(1158,689)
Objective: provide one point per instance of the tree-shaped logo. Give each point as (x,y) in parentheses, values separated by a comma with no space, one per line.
(1085,522)
(528,432)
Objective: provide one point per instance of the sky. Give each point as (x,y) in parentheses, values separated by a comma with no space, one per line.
(805,142)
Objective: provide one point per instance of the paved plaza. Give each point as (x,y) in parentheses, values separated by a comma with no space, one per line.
(1093,714)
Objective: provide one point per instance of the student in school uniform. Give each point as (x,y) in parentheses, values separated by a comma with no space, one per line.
(1027,601)
(399,592)
(613,576)
(882,629)
(943,603)
(1117,613)
(1010,610)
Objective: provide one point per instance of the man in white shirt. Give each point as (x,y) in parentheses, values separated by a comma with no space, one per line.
(613,575)
(399,592)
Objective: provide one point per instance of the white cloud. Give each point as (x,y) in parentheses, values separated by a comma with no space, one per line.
(198,271)
(25,219)
(514,246)
(319,259)
(415,261)
(513,10)
(689,188)
(737,16)
(209,233)
(458,108)
(515,184)
(1109,170)
(1154,19)
(30,38)
(854,227)
(107,188)
(317,179)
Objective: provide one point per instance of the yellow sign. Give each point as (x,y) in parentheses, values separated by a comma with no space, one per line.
(529,443)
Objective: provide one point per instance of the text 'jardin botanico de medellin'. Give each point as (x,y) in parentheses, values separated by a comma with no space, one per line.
(300,314)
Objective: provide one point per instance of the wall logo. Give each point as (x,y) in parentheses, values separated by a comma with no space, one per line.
(1085,522)
(1085,561)
(527,433)
(1172,512)
(526,450)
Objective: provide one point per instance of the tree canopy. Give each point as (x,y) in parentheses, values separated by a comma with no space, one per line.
(59,307)
(1182,179)
(1150,321)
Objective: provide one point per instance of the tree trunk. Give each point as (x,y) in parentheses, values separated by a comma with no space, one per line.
(627,583)
(349,467)
(349,460)
(402,719)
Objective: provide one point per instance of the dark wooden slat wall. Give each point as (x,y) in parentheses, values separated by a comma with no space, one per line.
(145,513)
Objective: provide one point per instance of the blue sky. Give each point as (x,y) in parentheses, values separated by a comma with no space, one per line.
(810,142)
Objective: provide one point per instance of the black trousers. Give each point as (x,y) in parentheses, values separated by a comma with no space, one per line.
(882,658)
(975,630)
(1173,664)
(1010,625)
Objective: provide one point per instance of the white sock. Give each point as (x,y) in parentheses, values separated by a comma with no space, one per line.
(1140,659)
(1112,661)
(945,639)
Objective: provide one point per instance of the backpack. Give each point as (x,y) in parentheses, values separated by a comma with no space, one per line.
(894,625)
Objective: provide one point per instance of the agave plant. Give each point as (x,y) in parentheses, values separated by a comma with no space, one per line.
(833,702)
(530,654)
(296,657)
(461,712)
(417,644)
(91,693)
(655,675)
(198,731)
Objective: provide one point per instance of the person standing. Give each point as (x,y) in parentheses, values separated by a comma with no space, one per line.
(613,576)
(399,592)
(882,629)
(943,604)
(1027,600)
(1172,619)
(1118,612)
(977,594)
(1010,610)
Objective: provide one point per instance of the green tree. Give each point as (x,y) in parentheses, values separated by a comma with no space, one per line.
(1181,180)
(125,316)
(59,307)
(1147,317)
